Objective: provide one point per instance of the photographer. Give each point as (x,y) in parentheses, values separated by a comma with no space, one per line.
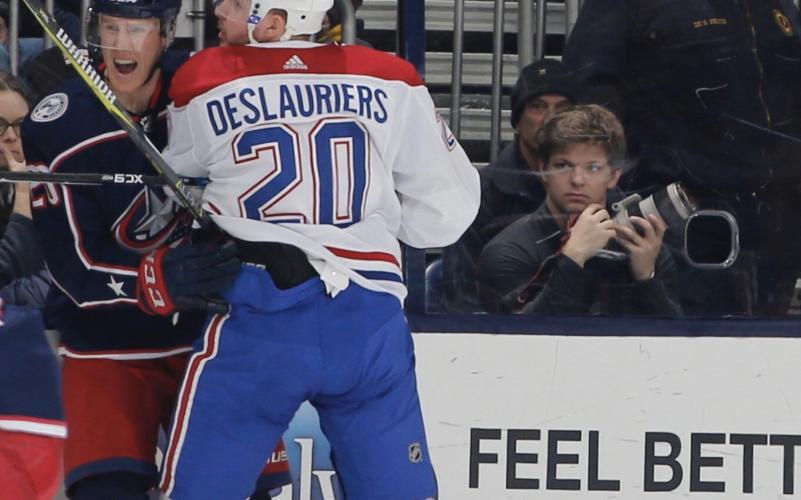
(510,186)
(547,262)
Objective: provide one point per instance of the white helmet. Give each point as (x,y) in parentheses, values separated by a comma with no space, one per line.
(303,17)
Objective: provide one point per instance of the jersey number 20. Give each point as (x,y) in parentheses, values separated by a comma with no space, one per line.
(338,163)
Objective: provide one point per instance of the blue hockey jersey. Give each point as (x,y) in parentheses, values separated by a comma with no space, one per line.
(94,236)
(30,390)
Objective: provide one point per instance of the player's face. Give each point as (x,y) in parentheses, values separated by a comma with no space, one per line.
(534,115)
(232,18)
(13,109)
(131,48)
(577,176)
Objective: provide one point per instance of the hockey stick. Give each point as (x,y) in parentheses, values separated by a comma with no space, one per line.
(93,179)
(99,87)
(87,179)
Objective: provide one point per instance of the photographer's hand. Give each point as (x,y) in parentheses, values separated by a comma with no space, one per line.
(590,233)
(643,245)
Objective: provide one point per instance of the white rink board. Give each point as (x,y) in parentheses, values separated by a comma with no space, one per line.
(623,388)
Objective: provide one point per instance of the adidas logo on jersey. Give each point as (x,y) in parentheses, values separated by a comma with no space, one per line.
(295,62)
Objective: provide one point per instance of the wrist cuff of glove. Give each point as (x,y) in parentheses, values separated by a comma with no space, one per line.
(151,291)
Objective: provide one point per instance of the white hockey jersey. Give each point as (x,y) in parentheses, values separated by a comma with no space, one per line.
(337,150)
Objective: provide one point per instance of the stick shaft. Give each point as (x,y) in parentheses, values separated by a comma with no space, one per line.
(89,179)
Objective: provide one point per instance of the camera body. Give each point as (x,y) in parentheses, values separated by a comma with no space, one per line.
(707,239)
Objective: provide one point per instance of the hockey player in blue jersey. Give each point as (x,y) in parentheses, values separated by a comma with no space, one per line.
(121,367)
(31,417)
(320,158)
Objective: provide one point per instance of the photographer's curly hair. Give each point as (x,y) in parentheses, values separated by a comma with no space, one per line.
(587,124)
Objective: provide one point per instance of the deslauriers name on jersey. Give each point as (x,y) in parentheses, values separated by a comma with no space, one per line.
(253,105)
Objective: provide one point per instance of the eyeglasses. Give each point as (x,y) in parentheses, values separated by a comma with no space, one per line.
(589,170)
(16,125)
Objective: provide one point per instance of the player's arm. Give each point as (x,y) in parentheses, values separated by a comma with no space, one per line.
(82,256)
(185,144)
(437,185)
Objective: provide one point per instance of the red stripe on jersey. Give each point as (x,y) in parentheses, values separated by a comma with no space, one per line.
(353,254)
(215,66)
(213,208)
(108,136)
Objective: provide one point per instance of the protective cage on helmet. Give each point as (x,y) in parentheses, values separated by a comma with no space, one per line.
(166,11)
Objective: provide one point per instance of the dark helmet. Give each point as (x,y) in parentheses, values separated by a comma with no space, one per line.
(137,8)
(166,11)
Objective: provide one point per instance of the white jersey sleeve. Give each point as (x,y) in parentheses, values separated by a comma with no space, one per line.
(181,150)
(435,181)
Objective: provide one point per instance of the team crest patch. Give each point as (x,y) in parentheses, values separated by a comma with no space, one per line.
(50,108)
(415,453)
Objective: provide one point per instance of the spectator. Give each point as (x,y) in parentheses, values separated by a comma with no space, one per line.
(546,262)
(510,186)
(22,274)
(31,416)
(31,46)
(710,95)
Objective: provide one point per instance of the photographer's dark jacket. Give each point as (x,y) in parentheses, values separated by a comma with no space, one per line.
(709,90)
(509,190)
(531,246)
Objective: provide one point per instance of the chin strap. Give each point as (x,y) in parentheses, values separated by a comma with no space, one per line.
(251,27)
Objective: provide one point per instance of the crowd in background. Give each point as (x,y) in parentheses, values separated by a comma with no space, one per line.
(708,94)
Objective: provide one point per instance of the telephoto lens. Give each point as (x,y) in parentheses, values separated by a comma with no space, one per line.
(672,205)
(706,239)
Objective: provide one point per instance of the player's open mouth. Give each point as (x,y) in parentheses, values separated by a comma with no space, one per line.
(125,66)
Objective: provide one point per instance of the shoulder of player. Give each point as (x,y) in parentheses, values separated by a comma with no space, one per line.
(204,70)
(371,62)
(172,60)
(67,117)
(66,104)
(216,66)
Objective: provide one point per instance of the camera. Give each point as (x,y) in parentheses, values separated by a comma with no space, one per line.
(706,238)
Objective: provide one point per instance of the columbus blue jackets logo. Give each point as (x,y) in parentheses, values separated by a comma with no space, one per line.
(151,220)
(50,108)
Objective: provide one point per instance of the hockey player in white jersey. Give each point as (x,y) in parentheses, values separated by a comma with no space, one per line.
(320,158)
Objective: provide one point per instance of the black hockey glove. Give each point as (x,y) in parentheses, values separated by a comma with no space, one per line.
(171,279)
